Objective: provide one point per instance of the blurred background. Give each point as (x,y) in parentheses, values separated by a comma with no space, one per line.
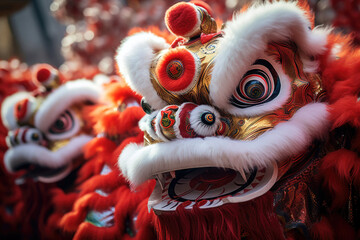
(84,34)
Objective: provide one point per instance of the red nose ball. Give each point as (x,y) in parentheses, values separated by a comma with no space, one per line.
(181,19)
(43,72)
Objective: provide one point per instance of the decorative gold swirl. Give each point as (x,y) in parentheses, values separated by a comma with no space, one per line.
(305,88)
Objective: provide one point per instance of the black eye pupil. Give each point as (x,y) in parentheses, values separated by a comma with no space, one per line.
(35,136)
(59,124)
(254,89)
(146,107)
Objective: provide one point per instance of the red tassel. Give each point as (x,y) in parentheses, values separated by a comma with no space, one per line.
(255,219)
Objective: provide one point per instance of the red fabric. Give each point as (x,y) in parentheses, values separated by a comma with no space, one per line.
(346,110)
(255,219)
(333,227)
(184,116)
(204,38)
(120,128)
(181,18)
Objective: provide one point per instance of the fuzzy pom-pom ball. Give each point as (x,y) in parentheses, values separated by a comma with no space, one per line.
(182,19)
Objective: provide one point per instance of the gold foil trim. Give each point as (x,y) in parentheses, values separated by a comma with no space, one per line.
(305,88)
(208,24)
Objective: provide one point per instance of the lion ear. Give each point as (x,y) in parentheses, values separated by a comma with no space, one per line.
(134,58)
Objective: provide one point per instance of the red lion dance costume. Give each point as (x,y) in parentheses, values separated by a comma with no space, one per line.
(252,131)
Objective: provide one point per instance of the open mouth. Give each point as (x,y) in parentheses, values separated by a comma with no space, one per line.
(210,187)
(44,174)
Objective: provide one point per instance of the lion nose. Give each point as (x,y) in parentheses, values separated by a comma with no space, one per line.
(25,135)
(185,121)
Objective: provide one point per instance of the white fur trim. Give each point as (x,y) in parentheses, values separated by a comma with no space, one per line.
(285,140)
(57,177)
(52,77)
(8,106)
(35,154)
(199,127)
(62,98)
(246,37)
(134,58)
(145,125)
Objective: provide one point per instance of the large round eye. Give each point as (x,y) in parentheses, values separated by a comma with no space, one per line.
(259,85)
(178,70)
(64,123)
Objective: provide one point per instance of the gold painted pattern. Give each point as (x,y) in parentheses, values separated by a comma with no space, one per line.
(305,88)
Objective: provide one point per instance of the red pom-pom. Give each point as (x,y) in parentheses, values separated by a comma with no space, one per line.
(43,72)
(181,19)
(46,75)
(177,70)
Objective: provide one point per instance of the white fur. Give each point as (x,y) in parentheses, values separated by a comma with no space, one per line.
(246,37)
(57,177)
(199,127)
(7,109)
(62,98)
(287,139)
(134,57)
(35,154)
(145,125)
(51,78)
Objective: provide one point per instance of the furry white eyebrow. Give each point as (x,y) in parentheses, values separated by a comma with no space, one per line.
(63,97)
(134,57)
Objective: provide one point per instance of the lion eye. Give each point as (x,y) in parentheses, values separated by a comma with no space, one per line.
(178,70)
(63,124)
(259,85)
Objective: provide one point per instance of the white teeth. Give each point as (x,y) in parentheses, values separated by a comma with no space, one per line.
(243,174)
(161,180)
(173,175)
